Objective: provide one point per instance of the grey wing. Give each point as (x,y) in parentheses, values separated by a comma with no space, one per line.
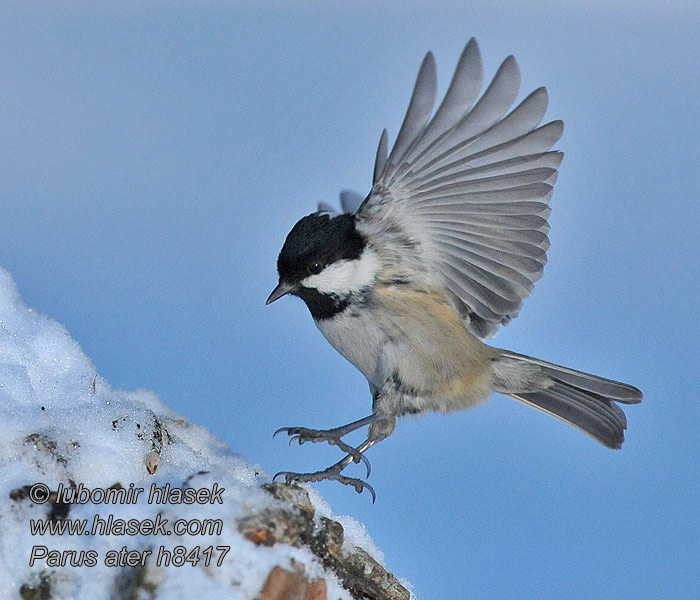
(467,190)
(324,207)
(349,203)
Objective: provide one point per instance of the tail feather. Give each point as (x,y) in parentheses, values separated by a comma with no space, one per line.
(580,399)
(596,416)
(609,388)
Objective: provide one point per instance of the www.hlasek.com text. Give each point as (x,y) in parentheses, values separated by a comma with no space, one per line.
(111,526)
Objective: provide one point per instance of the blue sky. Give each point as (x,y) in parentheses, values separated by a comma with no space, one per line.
(153,160)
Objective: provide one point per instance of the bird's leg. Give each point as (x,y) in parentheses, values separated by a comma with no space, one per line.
(333,437)
(334,472)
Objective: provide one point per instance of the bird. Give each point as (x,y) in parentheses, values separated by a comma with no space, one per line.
(407,282)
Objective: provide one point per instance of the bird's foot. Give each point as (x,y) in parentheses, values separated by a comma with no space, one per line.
(330,436)
(331,473)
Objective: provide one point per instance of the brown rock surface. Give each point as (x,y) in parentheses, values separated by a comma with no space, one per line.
(297,526)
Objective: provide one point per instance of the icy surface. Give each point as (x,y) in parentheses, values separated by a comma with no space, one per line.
(61,423)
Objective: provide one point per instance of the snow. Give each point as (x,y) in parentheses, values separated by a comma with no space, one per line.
(60,422)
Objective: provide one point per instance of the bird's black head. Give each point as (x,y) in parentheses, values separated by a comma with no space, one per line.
(322,263)
(316,241)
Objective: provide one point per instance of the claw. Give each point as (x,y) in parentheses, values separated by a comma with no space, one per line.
(280,430)
(302,434)
(287,476)
(353,452)
(358,484)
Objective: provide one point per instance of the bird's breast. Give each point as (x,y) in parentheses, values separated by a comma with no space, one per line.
(357,335)
(415,338)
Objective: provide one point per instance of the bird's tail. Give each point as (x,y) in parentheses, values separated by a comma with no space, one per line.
(588,402)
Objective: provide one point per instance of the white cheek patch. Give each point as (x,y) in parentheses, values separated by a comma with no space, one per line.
(345,276)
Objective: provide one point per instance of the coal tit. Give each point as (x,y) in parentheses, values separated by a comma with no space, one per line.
(406,282)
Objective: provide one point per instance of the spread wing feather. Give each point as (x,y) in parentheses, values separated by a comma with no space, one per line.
(350,201)
(469,188)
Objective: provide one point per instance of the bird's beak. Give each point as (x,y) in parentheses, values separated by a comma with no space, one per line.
(282,289)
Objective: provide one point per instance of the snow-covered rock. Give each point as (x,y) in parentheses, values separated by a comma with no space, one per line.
(168,511)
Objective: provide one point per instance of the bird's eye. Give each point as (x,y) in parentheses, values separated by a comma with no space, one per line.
(315,267)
